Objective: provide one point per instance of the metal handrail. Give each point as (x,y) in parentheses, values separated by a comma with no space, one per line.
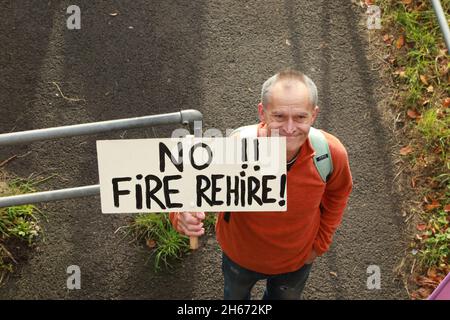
(184,117)
(46,196)
(442,20)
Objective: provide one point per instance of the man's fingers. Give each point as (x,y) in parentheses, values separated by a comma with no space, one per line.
(191,223)
(199,215)
(263,132)
(191,226)
(196,234)
(193,217)
(189,218)
(192,231)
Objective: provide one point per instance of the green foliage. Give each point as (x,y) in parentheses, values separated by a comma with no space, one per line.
(168,243)
(155,229)
(210,222)
(436,246)
(418,58)
(436,132)
(18,223)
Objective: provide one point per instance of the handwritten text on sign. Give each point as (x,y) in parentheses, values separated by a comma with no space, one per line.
(192,174)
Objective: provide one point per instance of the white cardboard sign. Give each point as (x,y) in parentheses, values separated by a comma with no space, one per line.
(192,174)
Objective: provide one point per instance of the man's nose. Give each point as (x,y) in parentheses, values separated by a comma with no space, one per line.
(290,127)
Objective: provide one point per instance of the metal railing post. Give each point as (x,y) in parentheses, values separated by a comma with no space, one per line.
(442,21)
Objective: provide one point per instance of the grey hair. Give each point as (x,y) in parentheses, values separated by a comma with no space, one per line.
(268,84)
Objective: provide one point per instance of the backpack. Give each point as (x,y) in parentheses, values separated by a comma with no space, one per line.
(322,158)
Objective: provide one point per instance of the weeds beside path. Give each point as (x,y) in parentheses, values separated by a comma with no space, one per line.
(418,64)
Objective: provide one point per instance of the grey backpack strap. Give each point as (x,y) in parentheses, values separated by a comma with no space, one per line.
(250,131)
(322,158)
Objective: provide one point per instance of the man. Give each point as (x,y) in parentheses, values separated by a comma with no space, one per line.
(281,246)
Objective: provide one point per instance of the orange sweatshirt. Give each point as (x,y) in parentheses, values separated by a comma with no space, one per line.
(280,242)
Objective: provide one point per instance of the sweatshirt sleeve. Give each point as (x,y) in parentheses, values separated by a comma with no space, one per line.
(173,217)
(336,195)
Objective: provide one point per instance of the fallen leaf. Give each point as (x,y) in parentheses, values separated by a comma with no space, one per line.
(400,42)
(440,114)
(446,102)
(406,2)
(406,150)
(114,14)
(437,150)
(413,114)
(447,208)
(431,273)
(421,226)
(443,70)
(423,293)
(424,80)
(430,89)
(433,205)
(400,72)
(151,243)
(413,182)
(434,276)
(442,53)
(288,42)
(387,38)
(427,283)
(334,274)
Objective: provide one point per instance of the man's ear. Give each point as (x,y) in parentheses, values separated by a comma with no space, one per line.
(315,114)
(261,113)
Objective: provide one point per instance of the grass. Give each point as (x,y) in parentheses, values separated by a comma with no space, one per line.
(155,229)
(436,250)
(17,223)
(436,132)
(419,66)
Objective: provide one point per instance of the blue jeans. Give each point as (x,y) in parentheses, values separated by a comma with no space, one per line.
(238,282)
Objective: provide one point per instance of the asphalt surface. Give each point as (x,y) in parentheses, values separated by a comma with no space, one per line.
(164,56)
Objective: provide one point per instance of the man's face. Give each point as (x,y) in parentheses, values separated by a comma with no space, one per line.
(290,111)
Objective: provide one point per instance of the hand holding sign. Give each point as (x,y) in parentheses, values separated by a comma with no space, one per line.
(190,223)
